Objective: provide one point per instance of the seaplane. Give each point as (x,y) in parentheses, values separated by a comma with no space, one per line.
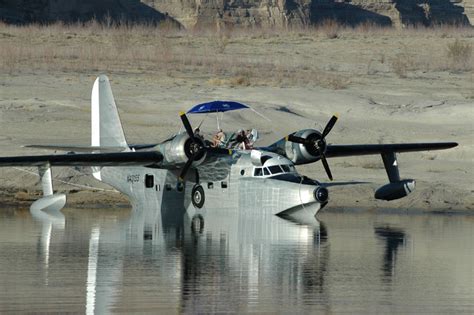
(192,174)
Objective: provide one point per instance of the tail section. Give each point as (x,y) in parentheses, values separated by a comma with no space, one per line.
(106,128)
(105,122)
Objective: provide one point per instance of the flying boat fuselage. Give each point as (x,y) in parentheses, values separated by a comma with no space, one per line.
(273,186)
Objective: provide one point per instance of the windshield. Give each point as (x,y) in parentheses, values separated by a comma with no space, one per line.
(273,170)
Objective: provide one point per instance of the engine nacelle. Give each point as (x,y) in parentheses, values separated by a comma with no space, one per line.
(179,149)
(395,190)
(300,153)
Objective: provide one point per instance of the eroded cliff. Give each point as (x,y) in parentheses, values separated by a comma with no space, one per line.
(269,13)
(244,13)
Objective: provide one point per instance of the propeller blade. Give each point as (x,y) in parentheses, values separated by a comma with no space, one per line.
(326,166)
(185,169)
(329,126)
(187,125)
(295,139)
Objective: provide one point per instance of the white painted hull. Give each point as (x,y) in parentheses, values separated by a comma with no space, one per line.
(245,195)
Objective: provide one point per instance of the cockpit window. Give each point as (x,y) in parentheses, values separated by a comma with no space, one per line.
(275,169)
(285,168)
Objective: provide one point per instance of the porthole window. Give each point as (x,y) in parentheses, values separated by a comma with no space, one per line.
(210,185)
(242,172)
(149,181)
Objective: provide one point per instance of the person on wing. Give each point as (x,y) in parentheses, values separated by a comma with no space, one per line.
(248,140)
(241,141)
(218,139)
(197,134)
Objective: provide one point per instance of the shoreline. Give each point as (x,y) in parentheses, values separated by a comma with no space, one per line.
(116,200)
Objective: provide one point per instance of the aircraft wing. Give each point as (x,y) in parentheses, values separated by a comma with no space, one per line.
(368,149)
(87,159)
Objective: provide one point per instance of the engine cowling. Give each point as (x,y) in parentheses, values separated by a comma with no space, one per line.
(395,190)
(302,153)
(179,149)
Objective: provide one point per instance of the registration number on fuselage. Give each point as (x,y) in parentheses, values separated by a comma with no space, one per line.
(133,178)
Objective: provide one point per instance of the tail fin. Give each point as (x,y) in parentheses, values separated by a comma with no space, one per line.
(105,122)
(106,129)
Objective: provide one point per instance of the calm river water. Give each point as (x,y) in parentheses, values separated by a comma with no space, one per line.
(117,260)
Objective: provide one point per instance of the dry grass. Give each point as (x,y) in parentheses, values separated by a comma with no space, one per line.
(330,55)
(460,55)
(400,65)
(330,28)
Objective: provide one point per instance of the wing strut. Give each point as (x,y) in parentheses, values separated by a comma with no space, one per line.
(391,166)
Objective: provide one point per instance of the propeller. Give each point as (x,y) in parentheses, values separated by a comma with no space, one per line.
(319,143)
(197,148)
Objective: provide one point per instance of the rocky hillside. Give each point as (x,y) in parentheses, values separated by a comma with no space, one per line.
(244,13)
(27,11)
(197,13)
(469,10)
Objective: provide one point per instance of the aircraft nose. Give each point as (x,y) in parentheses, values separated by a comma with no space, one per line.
(321,194)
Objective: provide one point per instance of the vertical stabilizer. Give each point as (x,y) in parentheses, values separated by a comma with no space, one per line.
(106,129)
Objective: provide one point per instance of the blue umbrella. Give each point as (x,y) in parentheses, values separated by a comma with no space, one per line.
(215,107)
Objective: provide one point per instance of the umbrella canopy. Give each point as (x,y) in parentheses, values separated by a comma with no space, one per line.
(215,107)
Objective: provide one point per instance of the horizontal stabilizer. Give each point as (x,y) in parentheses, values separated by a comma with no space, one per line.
(75,148)
(88,148)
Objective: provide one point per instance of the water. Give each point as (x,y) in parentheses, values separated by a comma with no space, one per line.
(107,261)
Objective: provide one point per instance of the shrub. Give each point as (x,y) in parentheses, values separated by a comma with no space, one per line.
(459,54)
(330,28)
(400,65)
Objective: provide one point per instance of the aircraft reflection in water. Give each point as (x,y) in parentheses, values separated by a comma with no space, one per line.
(394,238)
(51,218)
(117,260)
(184,254)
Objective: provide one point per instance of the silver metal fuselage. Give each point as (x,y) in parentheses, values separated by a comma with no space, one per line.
(228,183)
